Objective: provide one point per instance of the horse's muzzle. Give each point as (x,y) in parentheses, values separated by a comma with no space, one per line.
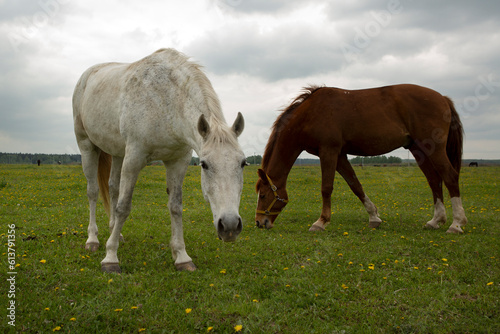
(264,221)
(228,228)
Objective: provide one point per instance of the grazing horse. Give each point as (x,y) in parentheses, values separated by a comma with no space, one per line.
(331,123)
(161,107)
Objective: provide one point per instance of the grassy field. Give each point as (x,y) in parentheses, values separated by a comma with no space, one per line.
(398,278)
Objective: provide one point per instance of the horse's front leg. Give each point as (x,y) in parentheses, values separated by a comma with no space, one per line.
(345,169)
(328,167)
(131,167)
(175,176)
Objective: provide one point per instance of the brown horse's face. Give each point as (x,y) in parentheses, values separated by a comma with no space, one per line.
(270,202)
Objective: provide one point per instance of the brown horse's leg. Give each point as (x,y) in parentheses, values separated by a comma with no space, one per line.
(328,167)
(436,183)
(450,178)
(345,169)
(443,167)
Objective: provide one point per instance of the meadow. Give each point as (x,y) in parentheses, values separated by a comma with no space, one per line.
(399,278)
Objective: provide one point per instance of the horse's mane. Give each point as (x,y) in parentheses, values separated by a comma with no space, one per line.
(220,132)
(283,119)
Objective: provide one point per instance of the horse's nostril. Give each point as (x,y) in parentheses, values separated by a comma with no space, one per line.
(240,225)
(220,226)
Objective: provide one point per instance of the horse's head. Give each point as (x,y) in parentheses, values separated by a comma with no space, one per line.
(270,202)
(222,162)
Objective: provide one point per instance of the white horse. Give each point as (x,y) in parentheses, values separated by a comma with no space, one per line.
(161,107)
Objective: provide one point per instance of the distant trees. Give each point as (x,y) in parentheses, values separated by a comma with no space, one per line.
(45,159)
(379,159)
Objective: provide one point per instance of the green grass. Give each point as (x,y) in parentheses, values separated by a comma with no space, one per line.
(398,278)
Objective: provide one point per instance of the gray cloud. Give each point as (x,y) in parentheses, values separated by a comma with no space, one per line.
(257,53)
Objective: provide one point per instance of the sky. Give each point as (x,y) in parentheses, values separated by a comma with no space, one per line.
(258,54)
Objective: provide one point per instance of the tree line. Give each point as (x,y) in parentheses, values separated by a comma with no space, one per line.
(68,159)
(46,159)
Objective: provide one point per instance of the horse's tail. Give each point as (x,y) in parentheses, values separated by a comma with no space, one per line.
(103,173)
(454,145)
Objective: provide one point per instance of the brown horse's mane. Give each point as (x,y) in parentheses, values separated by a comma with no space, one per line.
(283,119)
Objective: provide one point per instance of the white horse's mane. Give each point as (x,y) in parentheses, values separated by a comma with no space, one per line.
(220,132)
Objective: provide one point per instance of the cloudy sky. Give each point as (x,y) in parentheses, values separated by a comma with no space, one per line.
(257,53)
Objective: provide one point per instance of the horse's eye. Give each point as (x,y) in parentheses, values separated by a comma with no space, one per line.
(203,165)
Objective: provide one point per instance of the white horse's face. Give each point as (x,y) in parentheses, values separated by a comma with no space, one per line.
(222,180)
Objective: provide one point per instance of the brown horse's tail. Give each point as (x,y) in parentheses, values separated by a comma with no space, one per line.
(103,173)
(454,145)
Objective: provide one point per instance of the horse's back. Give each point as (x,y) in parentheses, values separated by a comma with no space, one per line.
(143,103)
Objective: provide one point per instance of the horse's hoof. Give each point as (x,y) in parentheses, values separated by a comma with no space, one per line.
(374,223)
(431,226)
(315,228)
(92,246)
(187,266)
(111,268)
(455,230)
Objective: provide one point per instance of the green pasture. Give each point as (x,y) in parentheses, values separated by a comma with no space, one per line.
(398,278)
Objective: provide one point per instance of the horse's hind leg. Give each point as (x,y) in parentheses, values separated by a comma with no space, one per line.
(114,190)
(90,161)
(345,169)
(436,184)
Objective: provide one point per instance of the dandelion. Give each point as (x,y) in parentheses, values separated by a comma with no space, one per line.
(490,283)
(110,280)
(209,329)
(416,268)
(47,309)
(346,233)
(188,310)
(444,259)
(371,266)
(133,308)
(345,286)
(286,268)
(43,261)
(255,301)
(361,270)
(118,310)
(57,328)
(223,271)
(142,330)
(72,319)
(211,285)
(238,328)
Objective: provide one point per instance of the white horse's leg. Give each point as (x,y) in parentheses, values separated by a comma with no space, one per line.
(459,218)
(114,190)
(90,161)
(175,176)
(131,167)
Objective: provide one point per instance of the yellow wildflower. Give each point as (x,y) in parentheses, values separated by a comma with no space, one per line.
(238,328)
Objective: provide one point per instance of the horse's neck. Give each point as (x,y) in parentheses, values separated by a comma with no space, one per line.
(282,160)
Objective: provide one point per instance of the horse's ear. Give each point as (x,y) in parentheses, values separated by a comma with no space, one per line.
(262,176)
(239,124)
(203,127)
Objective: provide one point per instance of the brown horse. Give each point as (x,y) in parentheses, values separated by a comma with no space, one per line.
(331,123)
